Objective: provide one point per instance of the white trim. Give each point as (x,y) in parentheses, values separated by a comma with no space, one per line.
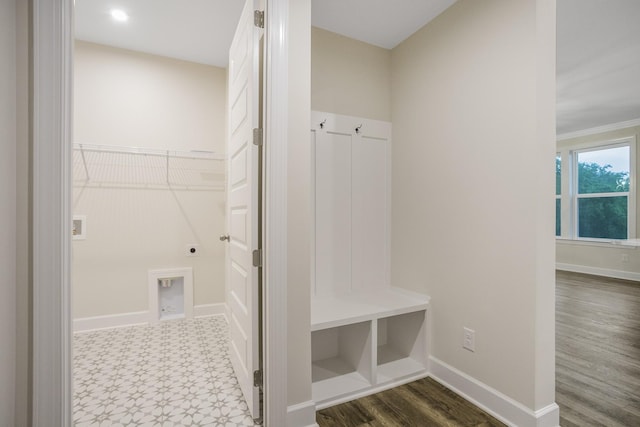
(275,208)
(110,321)
(495,403)
(206,310)
(302,414)
(596,271)
(372,390)
(599,129)
(169,273)
(601,243)
(51,215)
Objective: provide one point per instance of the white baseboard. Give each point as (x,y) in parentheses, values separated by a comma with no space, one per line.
(108,321)
(371,390)
(204,310)
(302,415)
(86,324)
(596,271)
(492,401)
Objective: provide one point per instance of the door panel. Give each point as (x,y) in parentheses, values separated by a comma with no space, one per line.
(333,213)
(243,206)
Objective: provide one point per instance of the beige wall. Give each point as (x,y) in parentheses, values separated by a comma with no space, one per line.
(126,98)
(131,231)
(178,104)
(349,77)
(299,206)
(7,211)
(602,257)
(472,213)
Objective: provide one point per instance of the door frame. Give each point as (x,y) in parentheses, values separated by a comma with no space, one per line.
(51,214)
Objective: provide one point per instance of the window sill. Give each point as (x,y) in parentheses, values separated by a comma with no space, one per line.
(604,243)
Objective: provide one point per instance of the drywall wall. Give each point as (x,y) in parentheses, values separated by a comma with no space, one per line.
(349,77)
(7,211)
(299,206)
(607,258)
(24,310)
(125,98)
(472,213)
(131,231)
(177,103)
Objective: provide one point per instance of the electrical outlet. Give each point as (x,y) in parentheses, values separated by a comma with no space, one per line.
(192,250)
(469,339)
(624,258)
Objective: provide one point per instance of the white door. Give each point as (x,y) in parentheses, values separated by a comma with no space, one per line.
(243,204)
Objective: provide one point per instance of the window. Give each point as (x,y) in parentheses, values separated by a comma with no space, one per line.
(599,193)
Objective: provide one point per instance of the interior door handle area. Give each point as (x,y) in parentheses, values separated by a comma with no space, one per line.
(225,237)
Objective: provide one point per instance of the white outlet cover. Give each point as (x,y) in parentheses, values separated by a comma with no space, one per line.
(192,250)
(469,339)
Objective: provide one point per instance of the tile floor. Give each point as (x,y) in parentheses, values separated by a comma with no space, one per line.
(174,373)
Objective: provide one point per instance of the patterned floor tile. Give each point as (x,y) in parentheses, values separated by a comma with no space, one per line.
(174,373)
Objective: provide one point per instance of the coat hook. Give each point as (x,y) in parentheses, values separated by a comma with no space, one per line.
(358,128)
(322,123)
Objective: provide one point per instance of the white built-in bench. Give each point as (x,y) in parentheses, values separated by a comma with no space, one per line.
(366,342)
(366,336)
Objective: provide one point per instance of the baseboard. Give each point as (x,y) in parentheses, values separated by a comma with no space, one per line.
(86,324)
(371,390)
(596,271)
(204,310)
(302,415)
(495,403)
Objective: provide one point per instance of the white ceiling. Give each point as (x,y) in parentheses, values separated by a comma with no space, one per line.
(382,23)
(201,30)
(192,30)
(598,63)
(598,60)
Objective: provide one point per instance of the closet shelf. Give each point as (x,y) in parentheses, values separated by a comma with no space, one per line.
(142,168)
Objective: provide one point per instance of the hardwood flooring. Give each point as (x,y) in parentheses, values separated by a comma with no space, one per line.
(597,351)
(597,368)
(422,403)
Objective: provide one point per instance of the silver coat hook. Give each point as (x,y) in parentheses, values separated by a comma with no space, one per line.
(358,128)
(322,123)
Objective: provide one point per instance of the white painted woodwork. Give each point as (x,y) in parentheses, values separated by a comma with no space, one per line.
(366,335)
(52,59)
(362,343)
(242,205)
(277,139)
(333,212)
(351,202)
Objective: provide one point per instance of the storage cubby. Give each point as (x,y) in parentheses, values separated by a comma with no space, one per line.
(401,346)
(367,336)
(341,360)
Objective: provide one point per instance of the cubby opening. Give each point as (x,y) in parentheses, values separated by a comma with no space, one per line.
(341,360)
(401,346)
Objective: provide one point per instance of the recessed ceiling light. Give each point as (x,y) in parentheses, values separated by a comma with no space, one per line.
(119,15)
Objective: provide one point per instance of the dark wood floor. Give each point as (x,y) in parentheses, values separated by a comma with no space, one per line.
(597,368)
(420,403)
(597,351)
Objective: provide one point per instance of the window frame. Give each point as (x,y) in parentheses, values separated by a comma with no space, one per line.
(559,195)
(569,195)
